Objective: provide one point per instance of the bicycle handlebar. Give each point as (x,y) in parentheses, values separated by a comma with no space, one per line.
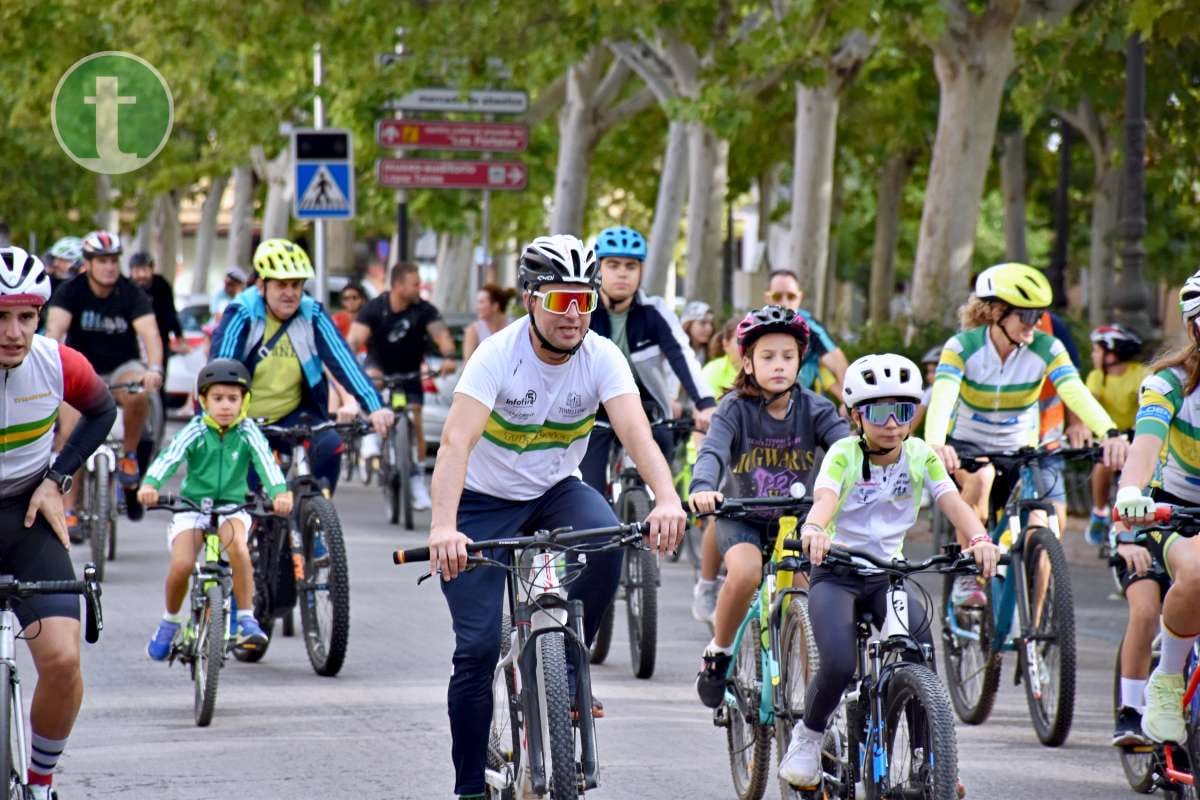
(558,536)
(1026,455)
(845,557)
(178,503)
(396,378)
(133,387)
(733,506)
(301,431)
(1185,520)
(89,587)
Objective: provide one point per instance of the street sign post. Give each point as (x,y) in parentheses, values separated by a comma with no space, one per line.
(418,173)
(324,171)
(488,101)
(492,137)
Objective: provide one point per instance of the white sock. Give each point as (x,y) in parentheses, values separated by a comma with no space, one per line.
(714,648)
(243,613)
(177,617)
(1100,512)
(1175,651)
(802,730)
(704,583)
(369,448)
(1133,692)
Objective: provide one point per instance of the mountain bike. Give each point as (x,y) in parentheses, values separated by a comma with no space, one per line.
(205,639)
(640,579)
(1171,767)
(892,735)
(396,458)
(1029,609)
(543,736)
(12,720)
(763,690)
(303,557)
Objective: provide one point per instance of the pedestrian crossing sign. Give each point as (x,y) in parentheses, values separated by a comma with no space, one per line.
(324,174)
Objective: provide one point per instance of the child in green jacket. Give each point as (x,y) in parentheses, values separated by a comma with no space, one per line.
(219,447)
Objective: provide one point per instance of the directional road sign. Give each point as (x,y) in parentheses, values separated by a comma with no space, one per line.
(490,101)
(416,173)
(488,137)
(324,165)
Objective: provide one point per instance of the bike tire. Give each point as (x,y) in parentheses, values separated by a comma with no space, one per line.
(748,741)
(504,736)
(404,470)
(1137,764)
(325,635)
(210,654)
(1051,720)
(972,668)
(798,663)
(100,491)
(640,578)
(389,477)
(917,706)
(560,748)
(603,640)
(263,579)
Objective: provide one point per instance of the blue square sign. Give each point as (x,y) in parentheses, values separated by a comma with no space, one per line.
(324,173)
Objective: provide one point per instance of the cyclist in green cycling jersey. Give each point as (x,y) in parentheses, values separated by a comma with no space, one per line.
(868,495)
(508,462)
(219,447)
(994,371)
(1169,411)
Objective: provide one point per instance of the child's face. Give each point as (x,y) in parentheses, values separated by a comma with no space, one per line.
(886,436)
(930,372)
(1097,357)
(223,402)
(775,361)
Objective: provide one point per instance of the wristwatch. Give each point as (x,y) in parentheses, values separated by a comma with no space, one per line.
(64,481)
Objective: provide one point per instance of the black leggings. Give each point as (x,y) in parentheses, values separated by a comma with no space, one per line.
(835,604)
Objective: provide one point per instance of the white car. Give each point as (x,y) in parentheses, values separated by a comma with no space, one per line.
(183,368)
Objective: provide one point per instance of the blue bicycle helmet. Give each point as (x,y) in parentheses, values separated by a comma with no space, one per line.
(621,242)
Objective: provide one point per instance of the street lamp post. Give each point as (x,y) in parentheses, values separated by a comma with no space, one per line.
(1132,296)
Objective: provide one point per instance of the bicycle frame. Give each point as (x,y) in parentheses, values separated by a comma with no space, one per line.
(8,655)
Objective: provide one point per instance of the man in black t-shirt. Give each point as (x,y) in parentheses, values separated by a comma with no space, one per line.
(393,327)
(104,315)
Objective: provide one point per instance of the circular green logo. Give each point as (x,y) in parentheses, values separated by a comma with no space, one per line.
(112,112)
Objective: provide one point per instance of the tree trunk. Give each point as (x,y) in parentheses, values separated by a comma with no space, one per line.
(339,247)
(889,198)
(1102,250)
(1012,185)
(104,218)
(167,258)
(812,186)
(455,261)
(708,160)
(575,145)
(668,209)
(970,105)
(278,175)
(241,221)
(207,232)
(147,233)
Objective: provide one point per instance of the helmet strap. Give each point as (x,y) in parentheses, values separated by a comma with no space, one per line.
(1000,324)
(868,451)
(546,343)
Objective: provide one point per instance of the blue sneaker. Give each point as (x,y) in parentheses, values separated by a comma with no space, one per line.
(159,647)
(250,635)
(320,552)
(1097,529)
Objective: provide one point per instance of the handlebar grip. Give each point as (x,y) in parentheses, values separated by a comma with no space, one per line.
(410,556)
(1162,513)
(92,623)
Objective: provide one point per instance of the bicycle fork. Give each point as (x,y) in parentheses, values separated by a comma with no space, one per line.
(8,655)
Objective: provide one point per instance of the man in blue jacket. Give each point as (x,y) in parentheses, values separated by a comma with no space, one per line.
(287,340)
(650,336)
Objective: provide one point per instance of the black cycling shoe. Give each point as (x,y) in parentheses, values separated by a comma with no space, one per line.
(711,681)
(133,508)
(1128,732)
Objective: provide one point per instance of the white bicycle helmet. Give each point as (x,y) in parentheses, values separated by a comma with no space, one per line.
(23,279)
(101,243)
(1189,298)
(561,258)
(878,376)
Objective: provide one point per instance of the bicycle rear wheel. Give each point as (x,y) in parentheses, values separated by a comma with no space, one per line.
(1137,762)
(210,654)
(918,738)
(748,740)
(559,745)
(972,663)
(640,576)
(100,499)
(260,538)
(798,662)
(325,595)
(1050,686)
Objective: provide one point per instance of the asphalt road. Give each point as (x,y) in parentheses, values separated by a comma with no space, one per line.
(379,729)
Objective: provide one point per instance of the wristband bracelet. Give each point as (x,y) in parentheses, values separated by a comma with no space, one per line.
(976,540)
(812,525)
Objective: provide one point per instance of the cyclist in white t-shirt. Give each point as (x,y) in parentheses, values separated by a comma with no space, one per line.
(509,463)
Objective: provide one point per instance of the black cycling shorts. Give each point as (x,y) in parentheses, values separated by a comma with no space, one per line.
(34,554)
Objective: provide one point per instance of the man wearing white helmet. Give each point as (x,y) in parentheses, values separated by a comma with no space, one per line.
(40,376)
(509,461)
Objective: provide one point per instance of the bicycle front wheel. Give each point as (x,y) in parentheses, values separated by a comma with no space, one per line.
(559,746)
(210,654)
(798,664)
(971,661)
(1048,657)
(748,740)
(402,458)
(325,594)
(919,743)
(260,537)
(504,737)
(640,576)
(100,497)
(389,476)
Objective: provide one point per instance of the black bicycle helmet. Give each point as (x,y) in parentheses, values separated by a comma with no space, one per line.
(222,370)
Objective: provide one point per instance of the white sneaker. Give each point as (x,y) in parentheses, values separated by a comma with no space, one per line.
(420,494)
(801,764)
(39,792)
(704,601)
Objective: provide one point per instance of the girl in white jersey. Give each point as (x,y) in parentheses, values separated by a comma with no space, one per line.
(868,495)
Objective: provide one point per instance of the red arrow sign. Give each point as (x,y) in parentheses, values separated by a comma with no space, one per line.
(404,173)
(492,137)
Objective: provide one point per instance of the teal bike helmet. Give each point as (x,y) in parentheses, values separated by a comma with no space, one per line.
(620,242)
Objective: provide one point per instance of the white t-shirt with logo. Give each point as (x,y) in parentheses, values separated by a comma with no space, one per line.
(537,433)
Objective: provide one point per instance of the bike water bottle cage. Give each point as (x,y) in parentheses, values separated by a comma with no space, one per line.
(558,301)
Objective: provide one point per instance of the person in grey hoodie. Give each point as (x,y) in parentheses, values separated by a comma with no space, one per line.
(764,436)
